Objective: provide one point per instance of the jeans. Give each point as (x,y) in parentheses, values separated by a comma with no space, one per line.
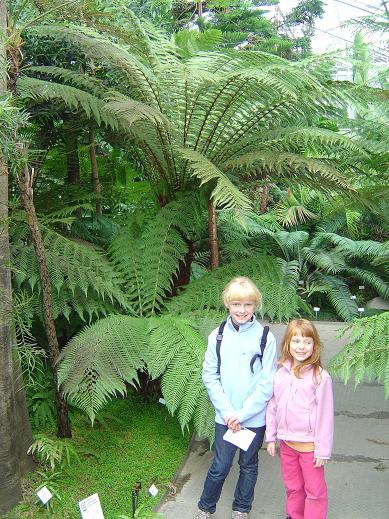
(221,465)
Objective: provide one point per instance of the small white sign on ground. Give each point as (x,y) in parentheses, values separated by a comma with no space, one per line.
(153,490)
(91,508)
(44,495)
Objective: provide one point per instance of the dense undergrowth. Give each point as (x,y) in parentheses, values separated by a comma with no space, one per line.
(133,441)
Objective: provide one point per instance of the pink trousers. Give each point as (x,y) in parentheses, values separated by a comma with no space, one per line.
(306,489)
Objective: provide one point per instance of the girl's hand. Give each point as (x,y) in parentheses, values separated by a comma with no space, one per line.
(271,448)
(319,462)
(232,422)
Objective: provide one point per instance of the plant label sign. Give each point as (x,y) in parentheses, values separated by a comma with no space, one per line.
(91,508)
(44,495)
(153,490)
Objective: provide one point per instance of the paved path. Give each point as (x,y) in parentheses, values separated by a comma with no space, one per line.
(357,476)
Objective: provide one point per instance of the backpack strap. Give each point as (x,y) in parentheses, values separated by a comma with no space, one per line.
(219,338)
(261,348)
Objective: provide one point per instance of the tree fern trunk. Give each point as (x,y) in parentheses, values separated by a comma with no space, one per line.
(95,170)
(14,460)
(25,185)
(184,269)
(264,198)
(212,233)
(72,159)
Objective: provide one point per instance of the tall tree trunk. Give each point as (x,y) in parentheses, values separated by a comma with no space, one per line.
(212,233)
(25,181)
(14,460)
(72,159)
(265,198)
(184,269)
(95,170)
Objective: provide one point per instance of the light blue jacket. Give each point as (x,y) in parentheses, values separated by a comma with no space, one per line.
(238,390)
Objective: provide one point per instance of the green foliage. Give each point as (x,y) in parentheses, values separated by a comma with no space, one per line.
(160,244)
(82,278)
(53,454)
(246,111)
(119,346)
(367,353)
(99,361)
(203,296)
(142,442)
(177,353)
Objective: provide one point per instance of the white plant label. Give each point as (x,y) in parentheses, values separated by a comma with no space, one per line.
(361,310)
(353,297)
(91,508)
(44,495)
(316,309)
(153,490)
(162,401)
(361,287)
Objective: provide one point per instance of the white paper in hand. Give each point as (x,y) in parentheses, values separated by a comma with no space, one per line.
(241,439)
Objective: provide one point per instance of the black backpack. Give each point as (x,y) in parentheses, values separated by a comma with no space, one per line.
(262,346)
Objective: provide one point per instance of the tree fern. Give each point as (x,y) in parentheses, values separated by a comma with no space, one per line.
(177,352)
(203,295)
(149,257)
(82,278)
(367,352)
(98,362)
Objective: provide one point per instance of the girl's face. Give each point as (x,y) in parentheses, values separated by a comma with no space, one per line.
(301,348)
(241,312)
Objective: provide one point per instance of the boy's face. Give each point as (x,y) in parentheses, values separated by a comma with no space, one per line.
(241,311)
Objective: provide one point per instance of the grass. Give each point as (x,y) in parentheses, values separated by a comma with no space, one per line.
(134,442)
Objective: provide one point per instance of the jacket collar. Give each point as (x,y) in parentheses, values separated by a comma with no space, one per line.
(242,327)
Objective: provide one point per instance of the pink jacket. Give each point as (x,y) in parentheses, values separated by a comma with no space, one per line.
(301,410)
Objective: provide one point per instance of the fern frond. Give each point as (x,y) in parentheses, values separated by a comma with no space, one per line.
(371,279)
(161,246)
(81,276)
(224,193)
(177,351)
(297,168)
(291,243)
(338,295)
(367,351)
(329,261)
(98,362)
(280,301)
(102,49)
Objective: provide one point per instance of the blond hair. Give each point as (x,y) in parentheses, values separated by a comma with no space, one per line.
(239,289)
(306,329)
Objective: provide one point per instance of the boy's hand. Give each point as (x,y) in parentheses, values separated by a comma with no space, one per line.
(232,422)
(319,462)
(271,448)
